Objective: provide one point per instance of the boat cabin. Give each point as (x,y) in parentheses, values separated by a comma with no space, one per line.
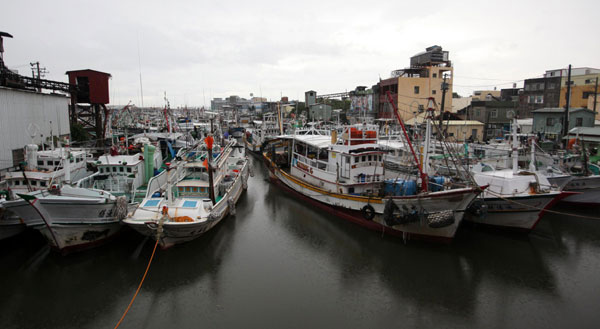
(352,164)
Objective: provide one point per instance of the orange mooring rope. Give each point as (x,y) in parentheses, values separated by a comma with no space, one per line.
(139,287)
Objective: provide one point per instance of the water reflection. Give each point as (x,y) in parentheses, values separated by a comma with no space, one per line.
(431,278)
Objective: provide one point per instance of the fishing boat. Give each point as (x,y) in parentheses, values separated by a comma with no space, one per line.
(515,199)
(264,130)
(124,175)
(47,167)
(70,218)
(9,225)
(193,199)
(345,177)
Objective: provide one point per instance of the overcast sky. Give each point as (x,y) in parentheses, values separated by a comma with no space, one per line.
(195,50)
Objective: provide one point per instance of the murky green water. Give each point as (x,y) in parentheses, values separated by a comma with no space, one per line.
(280,264)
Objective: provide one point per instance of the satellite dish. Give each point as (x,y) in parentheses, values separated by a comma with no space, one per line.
(510,114)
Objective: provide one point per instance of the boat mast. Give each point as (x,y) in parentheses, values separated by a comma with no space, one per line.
(412,150)
(515,148)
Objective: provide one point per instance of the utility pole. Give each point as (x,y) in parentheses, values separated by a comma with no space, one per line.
(41,72)
(568,99)
(444,88)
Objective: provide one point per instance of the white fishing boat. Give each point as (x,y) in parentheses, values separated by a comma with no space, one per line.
(9,225)
(71,218)
(345,177)
(515,199)
(47,167)
(263,130)
(124,175)
(192,199)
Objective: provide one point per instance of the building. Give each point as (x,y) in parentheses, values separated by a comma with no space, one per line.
(549,121)
(550,91)
(494,113)
(29,117)
(413,86)
(539,93)
(486,95)
(320,112)
(594,107)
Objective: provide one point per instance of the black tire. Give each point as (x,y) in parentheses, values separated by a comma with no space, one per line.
(368,212)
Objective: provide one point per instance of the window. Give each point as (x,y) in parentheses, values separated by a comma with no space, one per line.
(549,122)
(433,92)
(551,86)
(364,158)
(114,169)
(587,94)
(40,162)
(416,89)
(43,184)
(128,169)
(434,75)
(369,158)
(579,122)
(120,169)
(356,159)
(531,99)
(588,81)
(17,183)
(539,99)
(493,113)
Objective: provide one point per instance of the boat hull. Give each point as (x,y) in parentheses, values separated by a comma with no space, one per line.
(74,237)
(73,211)
(351,207)
(520,213)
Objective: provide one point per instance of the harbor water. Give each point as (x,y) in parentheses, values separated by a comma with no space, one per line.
(278,263)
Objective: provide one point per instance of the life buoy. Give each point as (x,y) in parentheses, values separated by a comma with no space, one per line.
(368,212)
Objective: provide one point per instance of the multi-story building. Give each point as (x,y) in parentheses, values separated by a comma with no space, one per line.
(550,91)
(412,87)
(583,85)
(539,93)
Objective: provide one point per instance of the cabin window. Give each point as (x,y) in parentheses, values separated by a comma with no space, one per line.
(43,184)
(17,183)
(369,157)
(180,189)
(194,189)
(40,163)
(120,169)
(101,170)
(364,158)
(33,183)
(355,159)
(351,190)
(128,169)
(56,163)
(187,188)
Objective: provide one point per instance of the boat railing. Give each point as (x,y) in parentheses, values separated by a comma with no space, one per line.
(315,163)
